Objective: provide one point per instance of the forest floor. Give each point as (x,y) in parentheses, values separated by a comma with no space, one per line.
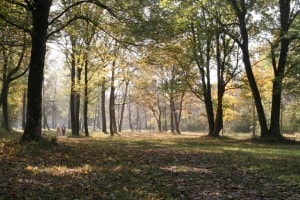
(149,166)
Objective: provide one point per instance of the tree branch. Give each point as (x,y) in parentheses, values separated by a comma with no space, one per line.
(96,2)
(14,24)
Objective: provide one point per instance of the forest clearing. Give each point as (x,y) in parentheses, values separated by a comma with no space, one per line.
(149,166)
(192,82)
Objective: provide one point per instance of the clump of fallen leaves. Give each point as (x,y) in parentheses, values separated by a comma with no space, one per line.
(178,167)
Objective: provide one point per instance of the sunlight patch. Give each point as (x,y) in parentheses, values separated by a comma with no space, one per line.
(60,170)
(183,168)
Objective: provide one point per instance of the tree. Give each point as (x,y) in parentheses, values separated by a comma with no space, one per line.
(13,56)
(287,16)
(241,9)
(39,10)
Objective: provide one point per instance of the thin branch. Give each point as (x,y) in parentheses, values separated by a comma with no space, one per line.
(14,24)
(96,2)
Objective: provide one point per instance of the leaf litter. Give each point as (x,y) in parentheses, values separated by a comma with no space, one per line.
(144,168)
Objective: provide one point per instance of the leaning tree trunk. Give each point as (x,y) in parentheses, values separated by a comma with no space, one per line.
(244,45)
(40,13)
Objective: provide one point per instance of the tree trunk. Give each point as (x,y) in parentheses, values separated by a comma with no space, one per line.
(77,104)
(112,114)
(172,116)
(219,116)
(157,116)
(145,118)
(73,92)
(24,110)
(243,43)
(129,117)
(165,127)
(4,103)
(40,13)
(86,101)
(221,88)
(209,110)
(275,130)
(178,118)
(203,64)
(103,110)
(123,106)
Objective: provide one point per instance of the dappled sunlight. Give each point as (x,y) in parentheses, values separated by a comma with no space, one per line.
(147,166)
(60,170)
(186,169)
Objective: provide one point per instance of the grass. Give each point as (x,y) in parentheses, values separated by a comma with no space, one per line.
(148,166)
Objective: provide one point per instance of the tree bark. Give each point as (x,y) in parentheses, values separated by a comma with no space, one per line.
(129,117)
(123,105)
(275,128)
(40,13)
(4,103)
(172,123)
(203,64)
(86,101)
(73,92)
(103,110)
(24,110)
(244,43)
(77,104)
(112,114)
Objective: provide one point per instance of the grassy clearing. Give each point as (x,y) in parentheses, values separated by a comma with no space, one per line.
(149,166)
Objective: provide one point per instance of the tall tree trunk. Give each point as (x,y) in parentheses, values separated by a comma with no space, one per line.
(86,101)
(253,118)
(53,115)
(24,110)
(203,64)
(221,88)
(138,119)
(275,130)
(207,89)
(112,113)
(129,116)
(172,115)
(40,13)
(123,105)
(178,117)
(73,92)
(145,118)
(103,110)
(209,109)
(244,45)
(165,127)
(219,115)
(77,104)
(158,120)
(4,103)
